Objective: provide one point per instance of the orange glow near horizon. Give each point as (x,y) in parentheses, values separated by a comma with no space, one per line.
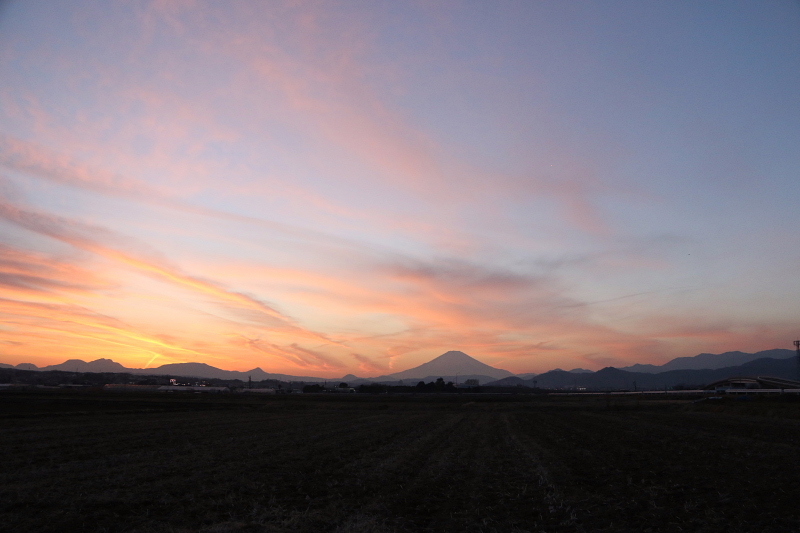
(320,189)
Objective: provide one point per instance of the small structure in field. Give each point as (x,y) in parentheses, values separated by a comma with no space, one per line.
(754,384)
(189,388)
(128,387)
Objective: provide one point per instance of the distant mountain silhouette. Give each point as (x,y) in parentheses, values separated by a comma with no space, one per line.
(77,365)
(573,371)
(458,366)
(511,381)
(202,370)
(189,370)
(448,366)
(711,361)
(611,378)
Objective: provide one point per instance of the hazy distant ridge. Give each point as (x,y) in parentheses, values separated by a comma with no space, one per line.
(615,378)
(711,361)
(452,366)
(458,366)
(195,370)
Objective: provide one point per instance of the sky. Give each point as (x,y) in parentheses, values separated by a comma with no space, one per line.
(324,188)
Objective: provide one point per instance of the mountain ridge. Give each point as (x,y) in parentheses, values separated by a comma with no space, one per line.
(451,363)
(611,378)
(710,361)
(453,366)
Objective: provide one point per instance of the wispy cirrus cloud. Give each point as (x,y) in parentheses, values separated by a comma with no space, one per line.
(35,320)
(293,353)
(322,88)
(36,160)
(94,239)
(43,163)
(29,272)
(333,188)
(38,295)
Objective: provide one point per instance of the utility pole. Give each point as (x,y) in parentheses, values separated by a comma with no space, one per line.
(797,346)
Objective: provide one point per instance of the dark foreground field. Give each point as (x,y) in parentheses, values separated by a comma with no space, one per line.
(102,462)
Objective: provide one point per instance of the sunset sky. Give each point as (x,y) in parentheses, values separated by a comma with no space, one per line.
(323,188)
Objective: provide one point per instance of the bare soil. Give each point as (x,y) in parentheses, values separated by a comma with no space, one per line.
(359,463)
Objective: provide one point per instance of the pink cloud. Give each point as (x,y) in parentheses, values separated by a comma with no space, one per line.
(92,239)
(294,354)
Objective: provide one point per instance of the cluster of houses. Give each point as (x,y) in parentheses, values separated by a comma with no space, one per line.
(208,389)
(732,385)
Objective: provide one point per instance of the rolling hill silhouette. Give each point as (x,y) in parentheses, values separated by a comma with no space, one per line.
(611,378)
(710,361)
(458,367)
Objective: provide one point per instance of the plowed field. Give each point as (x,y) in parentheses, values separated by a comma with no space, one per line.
(371,464)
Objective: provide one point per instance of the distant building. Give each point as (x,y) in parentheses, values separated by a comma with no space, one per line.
(744,384)
(184,388)
(123,387)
